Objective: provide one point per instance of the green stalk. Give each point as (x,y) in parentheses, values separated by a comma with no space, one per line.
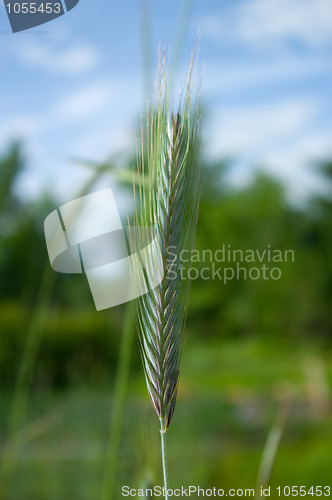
(271,448)
(146,45)
(119,402)
(25,373)
(164,457)
(181,31)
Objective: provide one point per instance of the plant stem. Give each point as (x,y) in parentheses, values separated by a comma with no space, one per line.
(36,328)
(119,403)
(164,457)
(271,448)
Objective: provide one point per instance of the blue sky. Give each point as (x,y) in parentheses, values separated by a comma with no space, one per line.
(75,87)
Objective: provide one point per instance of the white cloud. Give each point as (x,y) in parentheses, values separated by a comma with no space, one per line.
(294,164)
(238,76)
(262,23)
(282,137)
(90,122)
(76,107)
(19,125)
(253,129)
(77,58)
(263,106)
(84,102)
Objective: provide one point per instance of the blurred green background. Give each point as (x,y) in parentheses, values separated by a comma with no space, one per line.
(254,403)
(256,360)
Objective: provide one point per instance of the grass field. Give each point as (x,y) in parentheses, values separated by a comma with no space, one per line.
(231,396)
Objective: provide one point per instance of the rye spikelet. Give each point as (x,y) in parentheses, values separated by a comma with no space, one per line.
(169,165)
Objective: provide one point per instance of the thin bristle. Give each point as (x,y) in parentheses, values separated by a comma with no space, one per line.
(169,200)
